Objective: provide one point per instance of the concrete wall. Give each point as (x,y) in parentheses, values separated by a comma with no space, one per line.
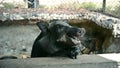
(83,61)
(14,38)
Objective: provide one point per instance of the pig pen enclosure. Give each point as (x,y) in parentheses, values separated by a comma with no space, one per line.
(18,29)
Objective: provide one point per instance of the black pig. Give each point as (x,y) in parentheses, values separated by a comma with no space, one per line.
(57,38)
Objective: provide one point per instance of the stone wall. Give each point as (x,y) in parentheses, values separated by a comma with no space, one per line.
(100,19)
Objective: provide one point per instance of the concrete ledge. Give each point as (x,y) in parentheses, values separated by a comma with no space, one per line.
(83,61)
(113,56)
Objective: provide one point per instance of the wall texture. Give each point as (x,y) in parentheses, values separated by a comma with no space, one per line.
(14,38)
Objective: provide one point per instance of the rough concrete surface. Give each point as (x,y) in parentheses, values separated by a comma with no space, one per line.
(14,38)
(83,61)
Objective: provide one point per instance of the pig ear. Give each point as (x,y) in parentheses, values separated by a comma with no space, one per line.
(43,26)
